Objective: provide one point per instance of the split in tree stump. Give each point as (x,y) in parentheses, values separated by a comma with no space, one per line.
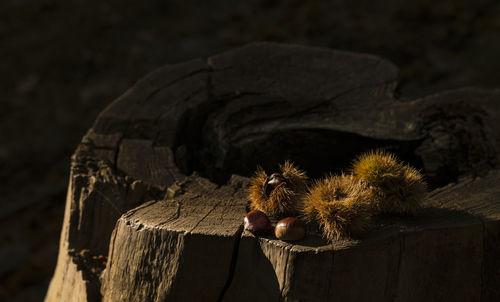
(157,189)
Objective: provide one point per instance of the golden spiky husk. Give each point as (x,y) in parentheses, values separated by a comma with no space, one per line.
(339,205)
(393,186)
(283,200)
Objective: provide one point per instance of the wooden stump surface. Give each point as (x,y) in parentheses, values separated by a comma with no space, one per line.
(157,188)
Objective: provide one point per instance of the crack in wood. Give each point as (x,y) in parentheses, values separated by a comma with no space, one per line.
(398,269)
(330,292)
(203,218)
(234,261)
(283,286)
(171,83)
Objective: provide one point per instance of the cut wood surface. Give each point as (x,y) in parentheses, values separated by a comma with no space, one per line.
(155,204)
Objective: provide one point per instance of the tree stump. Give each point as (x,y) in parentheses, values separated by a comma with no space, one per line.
(158,185)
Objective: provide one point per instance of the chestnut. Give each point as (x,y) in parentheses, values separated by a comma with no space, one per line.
(274,181)
(290,229)
(257,223)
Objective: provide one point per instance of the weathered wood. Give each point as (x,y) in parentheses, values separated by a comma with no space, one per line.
(96,198)
(171,234)
(175,237)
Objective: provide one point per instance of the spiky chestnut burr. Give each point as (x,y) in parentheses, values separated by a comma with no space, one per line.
(339,205)
(279,194)
(393,187)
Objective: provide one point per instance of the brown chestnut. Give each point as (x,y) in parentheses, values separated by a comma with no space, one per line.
(274,181)
(257,223)
(290,229)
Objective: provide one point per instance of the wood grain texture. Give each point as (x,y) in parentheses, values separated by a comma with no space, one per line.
(154,185)
(189,241)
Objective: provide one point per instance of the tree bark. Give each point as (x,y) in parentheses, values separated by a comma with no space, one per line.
(155,204)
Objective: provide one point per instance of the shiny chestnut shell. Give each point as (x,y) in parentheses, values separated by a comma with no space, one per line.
(257,223)
(273,181)
(290,229)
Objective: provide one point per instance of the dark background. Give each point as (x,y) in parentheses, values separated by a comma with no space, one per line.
(62,62)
